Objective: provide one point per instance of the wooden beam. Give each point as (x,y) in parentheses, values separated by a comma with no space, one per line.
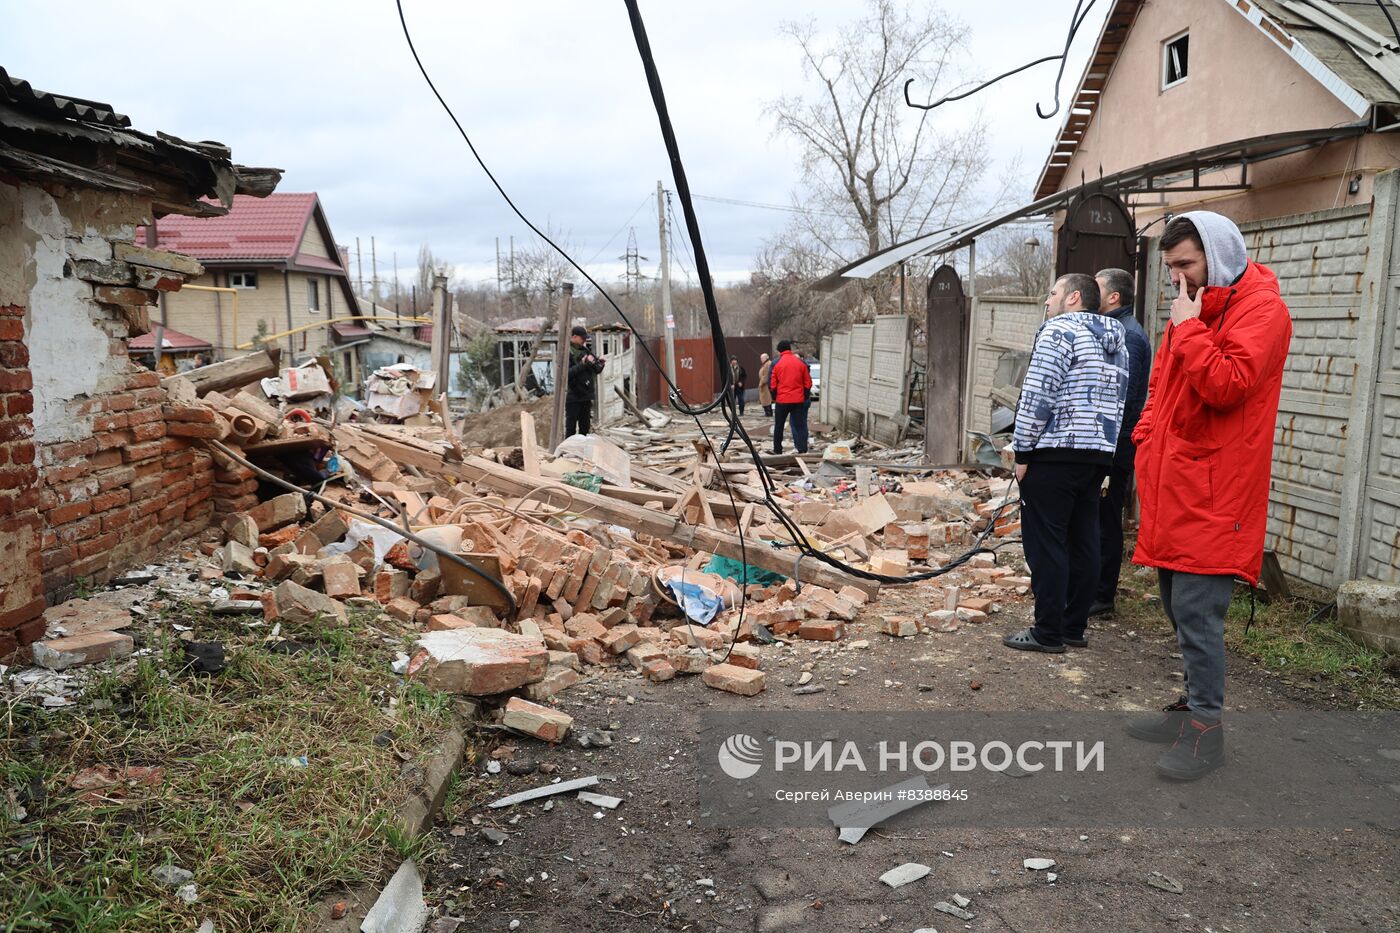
(232,374)
(527,444)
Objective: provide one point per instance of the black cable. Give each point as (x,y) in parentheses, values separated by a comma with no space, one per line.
(675,392)
(1386,10)
(723,400)
(1075,22)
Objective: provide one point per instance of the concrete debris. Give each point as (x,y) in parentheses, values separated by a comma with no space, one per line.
(905,874)
(1037,864)
(549,790)
(953,910)
(400,907)
(1163,883)
(855,819)
(172,875)
(600,800)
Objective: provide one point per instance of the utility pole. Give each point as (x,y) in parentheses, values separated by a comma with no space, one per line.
(374,276)
(561,366)
(396,284)
(442,321)
(359,272)
(668,319)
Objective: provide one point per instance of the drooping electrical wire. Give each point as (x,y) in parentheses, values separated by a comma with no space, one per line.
(1080,12)
(724,400)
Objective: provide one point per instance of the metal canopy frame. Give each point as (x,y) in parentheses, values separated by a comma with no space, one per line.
(1163,176)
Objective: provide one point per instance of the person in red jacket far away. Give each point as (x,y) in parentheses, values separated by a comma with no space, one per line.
(1204,453)
(790,380)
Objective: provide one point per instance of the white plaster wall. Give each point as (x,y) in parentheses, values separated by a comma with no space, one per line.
(68,333)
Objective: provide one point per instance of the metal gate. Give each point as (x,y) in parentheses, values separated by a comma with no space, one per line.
(945,338)
(1097,234)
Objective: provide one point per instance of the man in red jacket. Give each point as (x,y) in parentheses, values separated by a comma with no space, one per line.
(790,380)
(1204,453)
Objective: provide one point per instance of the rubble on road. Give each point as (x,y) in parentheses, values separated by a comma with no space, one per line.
(636,552)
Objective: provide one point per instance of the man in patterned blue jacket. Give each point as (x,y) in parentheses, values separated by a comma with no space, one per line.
(1066,433)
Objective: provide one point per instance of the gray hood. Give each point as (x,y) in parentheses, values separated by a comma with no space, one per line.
(1224,246)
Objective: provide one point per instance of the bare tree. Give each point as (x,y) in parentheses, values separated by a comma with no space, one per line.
(875,171)
(1020,261)
(784,270)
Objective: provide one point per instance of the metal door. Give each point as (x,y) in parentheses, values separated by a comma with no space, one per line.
(945,338)
(1097,234)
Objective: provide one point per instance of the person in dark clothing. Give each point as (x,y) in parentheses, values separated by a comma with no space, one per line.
(1116,301)
(583,368)
(738,376)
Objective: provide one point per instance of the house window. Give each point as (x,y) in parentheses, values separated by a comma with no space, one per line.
(1174,60)
(243,280)
(313,295)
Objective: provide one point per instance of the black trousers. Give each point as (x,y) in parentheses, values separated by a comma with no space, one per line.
(1060,535)
(797,412)
(1111,532)
(578,418)
(739,399)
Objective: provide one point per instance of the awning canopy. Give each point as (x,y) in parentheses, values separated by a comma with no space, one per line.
(1162,176)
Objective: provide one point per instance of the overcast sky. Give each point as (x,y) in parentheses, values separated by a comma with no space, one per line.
(552,93)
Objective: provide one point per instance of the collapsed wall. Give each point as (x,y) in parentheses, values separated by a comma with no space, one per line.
(94,477)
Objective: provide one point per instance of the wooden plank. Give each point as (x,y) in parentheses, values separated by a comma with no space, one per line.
(234,373)
(527,444)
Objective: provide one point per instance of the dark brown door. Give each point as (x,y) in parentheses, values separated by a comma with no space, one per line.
(1097,234)
(946,341)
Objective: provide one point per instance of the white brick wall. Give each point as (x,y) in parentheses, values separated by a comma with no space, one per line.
(865,377)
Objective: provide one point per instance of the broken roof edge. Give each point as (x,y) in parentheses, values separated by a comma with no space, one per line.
(49,137)
(1213,159)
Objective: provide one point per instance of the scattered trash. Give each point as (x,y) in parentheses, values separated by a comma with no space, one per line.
(549,790)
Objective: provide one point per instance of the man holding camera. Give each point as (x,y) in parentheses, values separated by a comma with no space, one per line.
(583,390)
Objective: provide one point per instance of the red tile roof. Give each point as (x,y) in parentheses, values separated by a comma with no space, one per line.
(173,340)
(255,228)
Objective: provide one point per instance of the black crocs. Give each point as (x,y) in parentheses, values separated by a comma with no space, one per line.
(1025,641)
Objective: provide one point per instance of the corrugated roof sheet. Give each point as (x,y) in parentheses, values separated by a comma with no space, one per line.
(254,228)
(26,97)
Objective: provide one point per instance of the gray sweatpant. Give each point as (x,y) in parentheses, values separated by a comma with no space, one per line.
(1196,605)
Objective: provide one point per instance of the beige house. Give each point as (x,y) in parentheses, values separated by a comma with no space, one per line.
(1279,114)
(276,267)
(1171,79)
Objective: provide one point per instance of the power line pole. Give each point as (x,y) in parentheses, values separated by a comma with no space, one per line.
(374,275)
(396,284)
(359,271)
(668,318)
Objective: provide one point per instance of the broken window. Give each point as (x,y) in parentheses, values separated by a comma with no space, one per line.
(1174,60)
(243,280)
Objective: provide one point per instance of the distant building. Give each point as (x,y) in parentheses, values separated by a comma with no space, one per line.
(519,344)
(277,256)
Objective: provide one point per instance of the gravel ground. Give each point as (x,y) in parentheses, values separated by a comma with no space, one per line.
(577,868)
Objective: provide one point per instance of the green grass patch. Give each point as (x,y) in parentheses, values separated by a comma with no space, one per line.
(265,835)
(1312,655)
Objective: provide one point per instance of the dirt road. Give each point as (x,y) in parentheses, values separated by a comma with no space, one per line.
(640,867)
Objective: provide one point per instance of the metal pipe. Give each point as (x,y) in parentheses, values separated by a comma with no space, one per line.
(329,321)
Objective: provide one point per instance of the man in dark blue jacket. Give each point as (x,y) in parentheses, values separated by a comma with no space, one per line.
(1116,301)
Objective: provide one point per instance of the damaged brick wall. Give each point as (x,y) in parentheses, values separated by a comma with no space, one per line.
(91,480)
(21,595)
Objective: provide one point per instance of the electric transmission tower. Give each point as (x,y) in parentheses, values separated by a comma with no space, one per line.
(633,276)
